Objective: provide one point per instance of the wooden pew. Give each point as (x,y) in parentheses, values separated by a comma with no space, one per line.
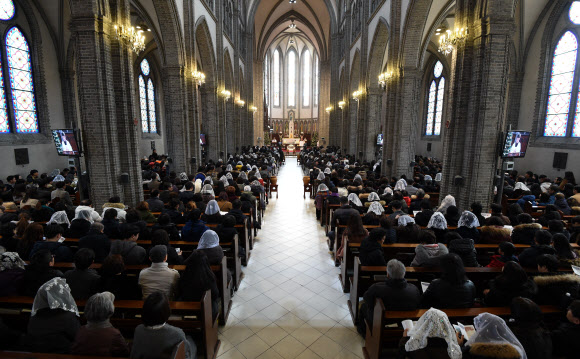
(220,271)
(196,317)
(364,276)
(379,336)
(346,263)
(244,238)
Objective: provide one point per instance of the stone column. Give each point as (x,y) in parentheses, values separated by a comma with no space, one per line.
(175,113)
(351,134)
(209,100)
(373,122)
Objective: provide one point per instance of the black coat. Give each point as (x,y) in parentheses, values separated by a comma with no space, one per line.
(34,277)
(442,294)
(553,288)
(52,331)
(422,218)
(536,340)
(371,253)
(112,228)
(472,233)
(171,230)
(98,242)
(396,294)
(83,283)
(501,294)
(464,248)
(155,204)
(78,228)
(525,233)
(566,340)
(528,257)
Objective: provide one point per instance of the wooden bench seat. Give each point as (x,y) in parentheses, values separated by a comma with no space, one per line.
(245,238)
(196,317)
(380,336)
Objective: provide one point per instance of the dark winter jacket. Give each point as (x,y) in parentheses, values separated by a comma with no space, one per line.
(131,252)
(396,294)
(465,248)
(525,233)
(529,255)
(371,253)
(553,288)
(501,294)
(98,242)
(443,294)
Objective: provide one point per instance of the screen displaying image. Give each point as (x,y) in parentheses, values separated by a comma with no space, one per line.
(516,144)
(380,139)
(202,140)
(66,142)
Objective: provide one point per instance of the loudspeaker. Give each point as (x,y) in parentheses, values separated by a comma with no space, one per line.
(192,161)
(429,147)
(152,145)
(560,160)
(124,178)
(458,181)
(498,180)
(21,156)
(389,162)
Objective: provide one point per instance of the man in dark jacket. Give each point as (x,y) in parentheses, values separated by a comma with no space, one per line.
(155,204)
(236,211)
(53,234)
(566,338)
(371,250)
(98,241)
(395,292)
(194,228)
(38,272)
(543,241)
(187,195)
(340,216)
(83,281)
(128,248)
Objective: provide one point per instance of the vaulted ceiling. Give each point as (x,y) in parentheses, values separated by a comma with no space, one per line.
(272,18)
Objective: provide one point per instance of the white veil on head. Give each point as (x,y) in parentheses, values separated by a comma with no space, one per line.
(522,186)
(433,324)
(327,171)
(376,208)
(224,180)
(247,189)
(58,178)
(209,239)
(437,221)
(208,190)
(321,176)
(373,196)
(54,294)
(244,176)
(404,220)
(84,214)
(491,329)
(212,207)
(59,217)
(448,201)
(358,177)
(354,199)
(322,188)
(229,168)
(387,191)
(183,176)
(401,185)
(468,219)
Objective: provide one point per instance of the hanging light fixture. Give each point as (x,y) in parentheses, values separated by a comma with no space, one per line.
(226,94)
(253,108)
(240,103)
(198,77)
(292,25)
(341,104)
(131,37)
(328,109)
(384,78)
(357,95)
(449,41)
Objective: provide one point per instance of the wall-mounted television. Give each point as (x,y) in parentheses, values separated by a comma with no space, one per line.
(202,140)
(380,139)
(516,144)
(66,142)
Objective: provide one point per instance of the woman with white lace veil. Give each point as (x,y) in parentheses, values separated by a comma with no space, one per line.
(59,217)
(376,208)
(438,224)
(467,226)
(355,202)
(448,201)
(493,339)
(207,193)
(401,185)
(433,336)
(212,213)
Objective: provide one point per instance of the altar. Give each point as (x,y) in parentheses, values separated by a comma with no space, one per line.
(290,141)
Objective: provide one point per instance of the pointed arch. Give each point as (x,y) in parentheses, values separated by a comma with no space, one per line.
(291,73)
(306,76)
(377,52)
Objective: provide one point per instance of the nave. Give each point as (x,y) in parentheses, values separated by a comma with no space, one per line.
(290,303)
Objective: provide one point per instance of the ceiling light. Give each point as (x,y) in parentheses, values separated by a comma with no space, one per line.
(292,1)
(292,25)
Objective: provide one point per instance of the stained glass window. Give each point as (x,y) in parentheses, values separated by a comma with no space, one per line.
(439,113)
(276,78)
(266,80)
(431,108)
(21,84)
(306,75)
(292,78)
(143,104)
(6,9)
(151,100)
(145,69)
(560,93)
(316,80)
(438,69)
(575,12)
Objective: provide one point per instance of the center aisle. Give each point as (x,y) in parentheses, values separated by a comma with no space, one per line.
(290,303)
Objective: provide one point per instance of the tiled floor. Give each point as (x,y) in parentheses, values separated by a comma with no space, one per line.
(290,303)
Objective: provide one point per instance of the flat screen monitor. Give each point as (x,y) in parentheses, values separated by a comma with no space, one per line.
(66,142)
(516,144)
(202,140)
(380,139)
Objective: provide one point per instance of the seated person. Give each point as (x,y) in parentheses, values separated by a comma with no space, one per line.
(497,212)
(494,231)
(97,241)
(112,224)
(557,227)
(98,337)
(114,279)
(173,212)
(212,213)
(507,253)
(463,247)
(199,278)
(526,324)
(159,277)
(452,216)
(422,218)
(525,231)
(155,338)
(428,252)
(54,320)
(127,247)
(395,292)
(371,250)
(236,211)
(566,338)
(82,280)
(554,288)
(492,339)
(564,251)
(209,244)
(164,223)
(223,202)
(407,230)
(38,272)
(53,234)
(467,226)
(81,225)
(144,212)
(438,225)
(512,282)
(155,204)
(160,237)
(11,273)
(453,289)
(542,245)
(354,232)
(194,228)
(115,203)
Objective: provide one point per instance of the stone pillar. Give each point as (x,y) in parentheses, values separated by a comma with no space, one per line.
(373,122)
(351,135)
(175,113)
(209,100)
(476,115)
(324,102)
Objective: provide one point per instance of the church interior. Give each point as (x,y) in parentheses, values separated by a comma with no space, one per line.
(243,179)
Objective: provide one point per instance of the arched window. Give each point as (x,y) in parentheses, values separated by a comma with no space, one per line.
(276,80)
(316,80)
(435,101)
(18,89)
(291,63)
(147,99)
(306,75)
(266,80)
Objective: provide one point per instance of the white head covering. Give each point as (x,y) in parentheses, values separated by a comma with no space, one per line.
(244,176)
(258,175)
(449,200)
(388,190)
(322,187)
(522,186)
(321,176)
(54,294)
(327,171)
(438,177)
(247,189)
(373,196)
(428,178)
(328,164)
(224,180)
(437,221)
(85,214)
(490,328)
(197,185)
(10,260)
(207,189)
(183,176)
(229,176)
(404,220)
(433,324)
(209,239)
(377,208)
(229,168)
(212,207)
(358,177)
(240,163)
(354,199)
(55,172)
(468,219)
(401,185)
(59,217)
(58,178)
